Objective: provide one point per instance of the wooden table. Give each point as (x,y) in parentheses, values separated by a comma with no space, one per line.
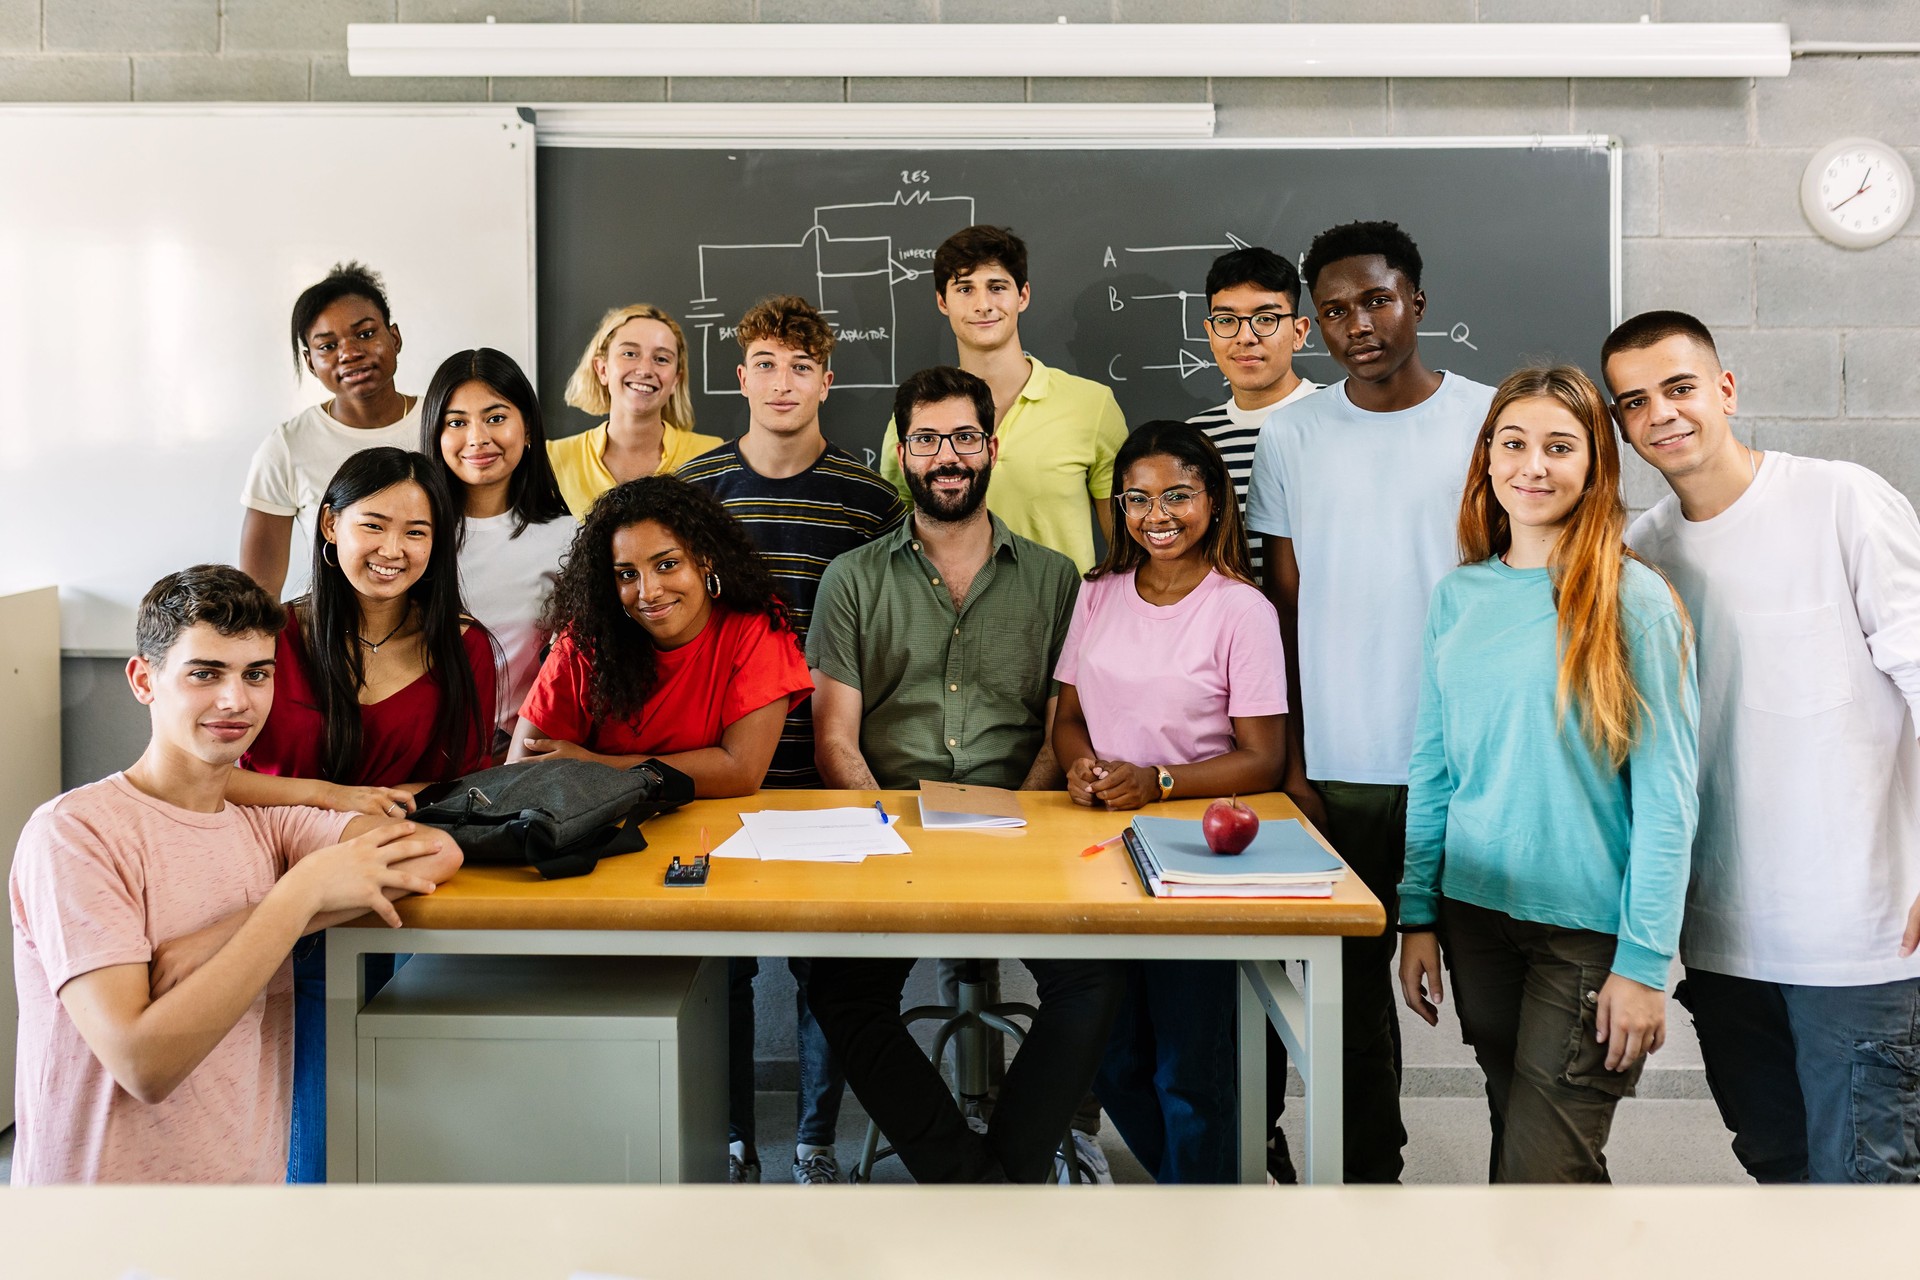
(882,1233)
(1018,893)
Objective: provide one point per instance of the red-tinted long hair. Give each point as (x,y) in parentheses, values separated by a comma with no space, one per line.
(1596,672)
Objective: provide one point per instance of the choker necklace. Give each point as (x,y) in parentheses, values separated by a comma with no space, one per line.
(373,646)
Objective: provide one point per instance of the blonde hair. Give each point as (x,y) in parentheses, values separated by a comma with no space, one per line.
(1596,671)
(586,391)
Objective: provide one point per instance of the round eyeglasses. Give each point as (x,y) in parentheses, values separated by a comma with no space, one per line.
(1174,502)
(1263,323)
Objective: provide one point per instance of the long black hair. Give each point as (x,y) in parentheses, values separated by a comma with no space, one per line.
(586,600)
(533,495)
(330,614)
(1225,542)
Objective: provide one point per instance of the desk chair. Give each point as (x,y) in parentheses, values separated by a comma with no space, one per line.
(965,1026)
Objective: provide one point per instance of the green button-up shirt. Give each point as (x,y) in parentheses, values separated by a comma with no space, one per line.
(957,695)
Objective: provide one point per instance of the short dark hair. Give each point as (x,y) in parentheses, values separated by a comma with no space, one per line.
(217,594)
(533,495)
(1363,240)
(1261,268)
(966,251)
(1651,327)
(344,280)
(942,382)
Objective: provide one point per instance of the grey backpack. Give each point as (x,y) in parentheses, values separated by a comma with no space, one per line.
(559,817)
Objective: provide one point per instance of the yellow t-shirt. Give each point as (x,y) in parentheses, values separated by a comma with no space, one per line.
(581,469)
(1057,446)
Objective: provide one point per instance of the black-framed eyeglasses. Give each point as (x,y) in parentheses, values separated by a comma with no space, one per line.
(924,444)
(1174,501)
(1264,323)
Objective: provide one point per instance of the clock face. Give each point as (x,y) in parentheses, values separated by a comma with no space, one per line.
(1857,192)
(1861,191)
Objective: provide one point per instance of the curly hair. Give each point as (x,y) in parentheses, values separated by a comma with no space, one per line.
(790,321)
(586,601)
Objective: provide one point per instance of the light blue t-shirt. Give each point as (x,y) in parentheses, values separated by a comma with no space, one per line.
(1371,502)
(1510,809)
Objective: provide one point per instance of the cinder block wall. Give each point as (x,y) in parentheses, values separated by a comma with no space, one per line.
(1824,340)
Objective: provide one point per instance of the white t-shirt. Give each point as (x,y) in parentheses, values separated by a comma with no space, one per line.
(294,464)
(1806,596)
(1371,502)
(1234,432)
(505,582)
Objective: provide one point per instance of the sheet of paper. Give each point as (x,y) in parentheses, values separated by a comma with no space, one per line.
(821,835)
(741,845)
(956,807)
(737,845)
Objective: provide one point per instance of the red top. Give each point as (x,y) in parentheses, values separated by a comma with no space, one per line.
(396,733)
(736,665)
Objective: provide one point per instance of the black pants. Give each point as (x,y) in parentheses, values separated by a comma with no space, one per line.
(1368,825)
(857,1003)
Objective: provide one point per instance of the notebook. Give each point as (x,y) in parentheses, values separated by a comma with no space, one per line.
(1284,860)
(953,807)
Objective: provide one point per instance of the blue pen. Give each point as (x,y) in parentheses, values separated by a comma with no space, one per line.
(882,812)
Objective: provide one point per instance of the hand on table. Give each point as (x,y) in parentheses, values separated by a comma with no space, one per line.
(356,873)
(1119,785)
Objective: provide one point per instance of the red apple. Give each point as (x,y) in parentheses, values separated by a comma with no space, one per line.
(1229,826)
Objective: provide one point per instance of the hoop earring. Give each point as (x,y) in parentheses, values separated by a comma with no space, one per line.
(324,548)
(713,584)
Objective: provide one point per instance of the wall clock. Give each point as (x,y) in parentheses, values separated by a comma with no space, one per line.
(1857,192)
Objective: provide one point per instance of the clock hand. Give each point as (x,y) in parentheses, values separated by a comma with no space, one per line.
(1865,185)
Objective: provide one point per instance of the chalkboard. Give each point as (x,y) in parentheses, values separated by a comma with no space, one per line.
(1518,241)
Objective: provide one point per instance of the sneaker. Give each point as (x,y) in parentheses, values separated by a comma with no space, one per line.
(816,1168)
(1092,1160)
(739,1167)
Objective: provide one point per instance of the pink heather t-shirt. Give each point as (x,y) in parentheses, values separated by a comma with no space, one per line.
(101,875)
(1161,684)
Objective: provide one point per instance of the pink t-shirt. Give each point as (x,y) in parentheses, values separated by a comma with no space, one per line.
(1161,684)
(101,875)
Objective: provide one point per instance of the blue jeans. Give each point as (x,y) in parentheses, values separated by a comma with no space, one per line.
(1816,1084)
(822,1082)
(1169,1078)
(307,1140)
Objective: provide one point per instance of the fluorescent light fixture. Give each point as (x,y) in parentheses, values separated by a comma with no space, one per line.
(692,124)
(1441,49)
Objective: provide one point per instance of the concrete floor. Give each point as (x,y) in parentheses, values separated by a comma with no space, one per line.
(1669,1134)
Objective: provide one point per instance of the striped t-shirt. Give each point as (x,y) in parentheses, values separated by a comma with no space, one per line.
(799,525)
(1234,432)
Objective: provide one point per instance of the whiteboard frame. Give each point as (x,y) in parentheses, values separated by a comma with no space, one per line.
(304,110)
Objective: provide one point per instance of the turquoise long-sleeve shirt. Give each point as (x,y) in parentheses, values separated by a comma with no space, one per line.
(1510,809)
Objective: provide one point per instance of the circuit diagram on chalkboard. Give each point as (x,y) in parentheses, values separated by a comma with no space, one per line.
(1189,308)
(849,262)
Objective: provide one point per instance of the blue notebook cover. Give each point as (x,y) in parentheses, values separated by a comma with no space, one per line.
(1282,851)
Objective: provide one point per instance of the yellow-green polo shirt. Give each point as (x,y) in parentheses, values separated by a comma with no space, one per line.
(1057,446)
(580,466)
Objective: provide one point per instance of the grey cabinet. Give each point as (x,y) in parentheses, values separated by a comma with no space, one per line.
(546,1069)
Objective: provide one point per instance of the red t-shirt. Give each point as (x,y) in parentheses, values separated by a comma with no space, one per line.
(396,733)
(736,665)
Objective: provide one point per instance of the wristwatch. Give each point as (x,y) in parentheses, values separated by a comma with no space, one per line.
(1166,781)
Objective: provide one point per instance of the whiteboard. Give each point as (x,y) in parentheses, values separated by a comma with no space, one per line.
(149,260)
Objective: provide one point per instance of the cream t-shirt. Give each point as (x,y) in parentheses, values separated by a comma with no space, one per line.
(505,582)
(295,463)
(102,875)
